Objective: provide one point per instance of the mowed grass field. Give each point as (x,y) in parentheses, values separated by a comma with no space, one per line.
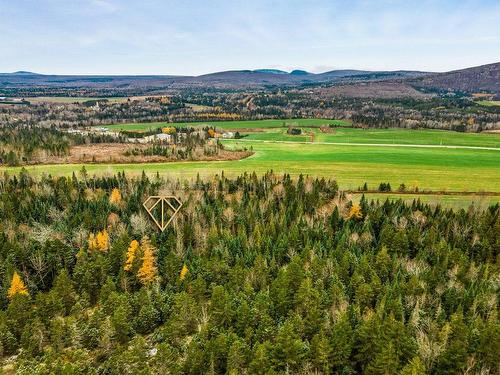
(230,125)
(454,201)
(352,166)
(276,130)
(382,136)
(489,103)
(71,99)
(350,156)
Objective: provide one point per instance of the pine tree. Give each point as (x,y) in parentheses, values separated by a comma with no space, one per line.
(454,359)
(320,353)
(289,349)
(17,286)
(341,342)
(63,288)
(236,358)
(415,367)
(121,322)
(385,362)
(261,363)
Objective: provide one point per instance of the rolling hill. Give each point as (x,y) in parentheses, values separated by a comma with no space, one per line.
(237,79)
(477,79)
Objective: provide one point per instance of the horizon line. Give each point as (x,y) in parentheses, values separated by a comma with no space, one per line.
(287,71)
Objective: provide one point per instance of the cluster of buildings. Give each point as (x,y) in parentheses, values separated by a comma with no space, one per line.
(160,137)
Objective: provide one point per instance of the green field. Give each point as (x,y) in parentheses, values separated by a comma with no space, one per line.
(71,99)
(453,201)
(230,125)
(382,136)
(350,156)
(351,166)
(276,130)
(489,103)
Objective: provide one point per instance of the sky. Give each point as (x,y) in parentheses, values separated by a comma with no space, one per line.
(193,37)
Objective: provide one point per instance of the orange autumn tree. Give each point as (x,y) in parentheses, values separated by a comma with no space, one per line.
(131,252)
(355,212)
(100,241)
(115,197)
(17,286)
(184,272)
(148,272)
(169,130)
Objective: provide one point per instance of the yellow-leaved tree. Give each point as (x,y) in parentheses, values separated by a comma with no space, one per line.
(184,272)
(16,286)
(115,197)
(131,251)
(355,212)
(100,241)
(169,130)
(148,273)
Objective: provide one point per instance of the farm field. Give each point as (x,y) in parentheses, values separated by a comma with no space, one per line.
(451,201)
(351,166)
(276,130)
(382,136)
(489,103)
(71,99)
(229,125)
(350,156)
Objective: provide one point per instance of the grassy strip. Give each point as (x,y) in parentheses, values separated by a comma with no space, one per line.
(70,99)
(489,103)
(448,201)
(383,136)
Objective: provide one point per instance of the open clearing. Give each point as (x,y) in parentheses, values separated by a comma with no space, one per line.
(352,166)
(382,136)
(70,99)
(230,125)
(426,159)
(489,103)
(453,201)
(276,130)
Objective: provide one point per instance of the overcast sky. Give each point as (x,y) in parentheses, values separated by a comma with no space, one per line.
(202,36)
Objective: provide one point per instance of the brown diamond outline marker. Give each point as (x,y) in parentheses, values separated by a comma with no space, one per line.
(166,203)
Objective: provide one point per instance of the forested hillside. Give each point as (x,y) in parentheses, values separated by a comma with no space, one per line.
(259,275)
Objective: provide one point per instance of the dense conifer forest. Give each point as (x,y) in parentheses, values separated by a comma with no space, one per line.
(258,275)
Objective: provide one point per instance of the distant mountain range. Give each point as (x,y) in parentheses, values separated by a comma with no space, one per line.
(482,78)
